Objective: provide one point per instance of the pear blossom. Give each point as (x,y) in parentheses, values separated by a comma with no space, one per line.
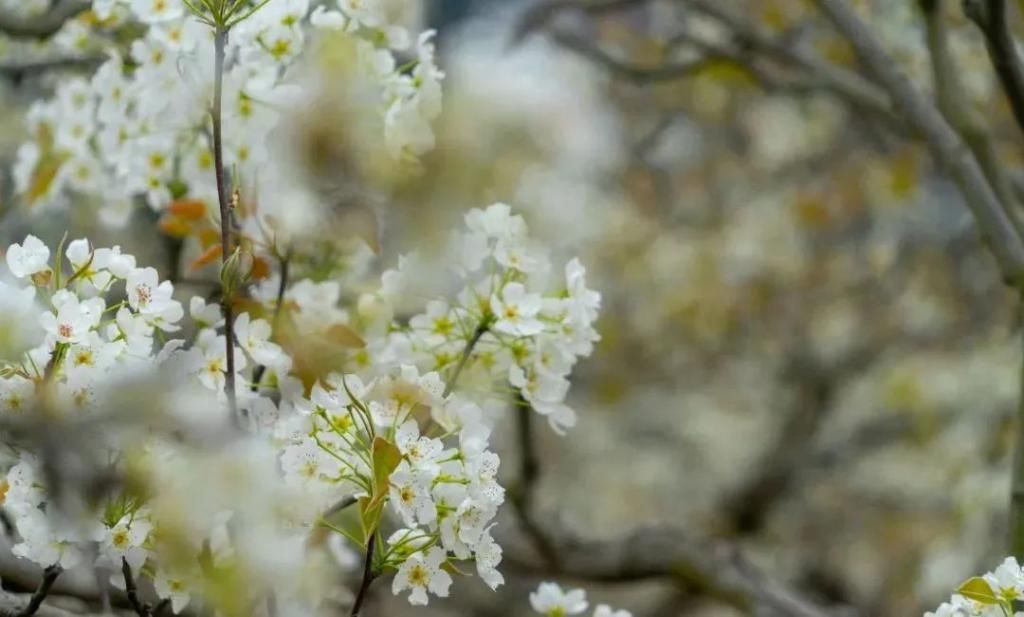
(516,310)
(551,601)
(422,573)
(28,258)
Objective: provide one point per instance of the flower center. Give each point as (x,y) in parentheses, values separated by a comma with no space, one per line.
(418,576)
(407,494)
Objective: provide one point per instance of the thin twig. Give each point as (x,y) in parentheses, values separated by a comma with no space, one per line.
(50,575)
(219,41)
(949,96)
(467,351)
(636,73)
(141,608)
(841,82)
(542,13)
(991,18)
(368,577)
(257,374)
(341,504)
(529,474)
(946,145)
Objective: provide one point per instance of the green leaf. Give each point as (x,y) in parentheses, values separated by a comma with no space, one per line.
(370,512)
(978,589)
(385,457)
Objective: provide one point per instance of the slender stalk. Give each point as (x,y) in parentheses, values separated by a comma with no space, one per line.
(50,575)
(340,505)
(466,353)
(529,473)
(141,608)
(368,576)
(219,41)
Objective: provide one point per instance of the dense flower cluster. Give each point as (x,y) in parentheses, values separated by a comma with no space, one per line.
(140,125)
(551,601)
(393,435)
(221,496)
(524,327)
(350,434)
(86,345)
(992,595)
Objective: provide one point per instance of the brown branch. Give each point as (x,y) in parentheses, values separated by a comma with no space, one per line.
(842,83)
(141,608)
(991,18)
(44,24)
(949,96)
(945,143)
(708,568)
(368,577)
(529,472)
(541,14)
(747,507)
(17,72)
(35,601)
(633,72)
(10,605)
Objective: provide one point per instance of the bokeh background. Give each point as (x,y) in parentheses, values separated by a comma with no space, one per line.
(807,353)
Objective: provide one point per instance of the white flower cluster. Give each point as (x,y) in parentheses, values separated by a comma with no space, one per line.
(992,595)
(523,327)
(86,344)
(86,341)
(140,125)
(380,440)
(89,349)
(551,601)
